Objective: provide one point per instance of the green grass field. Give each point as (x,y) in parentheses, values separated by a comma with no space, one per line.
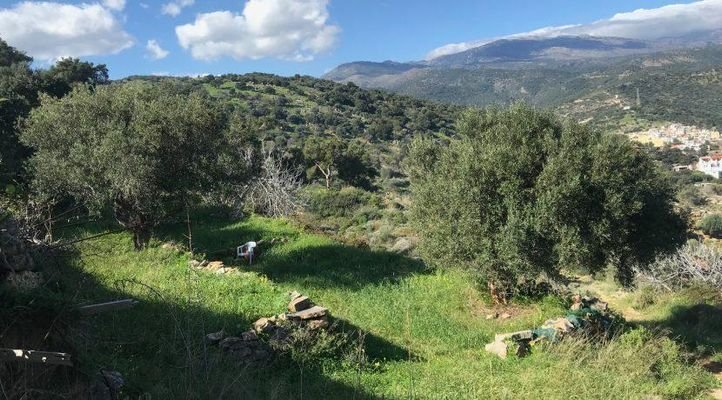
(424,330)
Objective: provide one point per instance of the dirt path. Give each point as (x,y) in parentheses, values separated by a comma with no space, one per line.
(715,368)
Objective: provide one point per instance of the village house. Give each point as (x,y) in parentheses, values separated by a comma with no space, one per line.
(710,165)
(678,136)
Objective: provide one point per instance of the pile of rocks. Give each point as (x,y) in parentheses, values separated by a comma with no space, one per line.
(258,344)
(216,267)
(586,313)
(303,312)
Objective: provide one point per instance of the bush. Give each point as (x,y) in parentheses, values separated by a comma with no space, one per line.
(691,196)
(339,203)
(646,296)
(366,213)
(712,225)
(519,194)
(693,264)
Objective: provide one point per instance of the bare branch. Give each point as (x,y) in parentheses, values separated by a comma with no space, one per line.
(693,263)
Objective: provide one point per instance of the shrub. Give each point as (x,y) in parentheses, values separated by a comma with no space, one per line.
(712,225)
(693,264)
(366,213)
(339,203)
(520,193)
(691,196)
(645,297)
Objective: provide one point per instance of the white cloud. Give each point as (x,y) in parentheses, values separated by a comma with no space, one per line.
(669,21)
(144,5)
(48,31)
(174,8)
(155,51)
(116,5)
(286,29)
(181,75)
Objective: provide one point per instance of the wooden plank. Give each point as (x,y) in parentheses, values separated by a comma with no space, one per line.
(105,307)
(43,357)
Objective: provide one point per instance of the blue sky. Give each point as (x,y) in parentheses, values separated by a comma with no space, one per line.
(340,31)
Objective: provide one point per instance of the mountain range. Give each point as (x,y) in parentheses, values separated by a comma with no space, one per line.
(592,78)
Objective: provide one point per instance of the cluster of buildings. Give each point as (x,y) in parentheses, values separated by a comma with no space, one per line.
(710,165)
(678,136)
(688,139)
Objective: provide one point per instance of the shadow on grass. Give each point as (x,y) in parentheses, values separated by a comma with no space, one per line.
(698,326)
(158,346)
(376,347)
(336,265)
(318,263)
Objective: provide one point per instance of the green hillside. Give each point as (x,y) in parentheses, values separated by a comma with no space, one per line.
(679,85)
(285,110)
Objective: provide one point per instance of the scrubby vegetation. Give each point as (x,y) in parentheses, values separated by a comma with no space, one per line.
(678,85)
(712,225)
(128,185)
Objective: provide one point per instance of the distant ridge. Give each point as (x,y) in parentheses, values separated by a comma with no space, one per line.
(592,78)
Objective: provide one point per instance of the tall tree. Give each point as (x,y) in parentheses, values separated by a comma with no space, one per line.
(18,94)
(143,150)
(331,157)
(519,194)
(19,88)
(67,72)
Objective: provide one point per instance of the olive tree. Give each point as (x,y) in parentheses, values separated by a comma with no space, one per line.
(519,193)
(323,152)
(19,88)
(331,156)
(18,94)
(141,150)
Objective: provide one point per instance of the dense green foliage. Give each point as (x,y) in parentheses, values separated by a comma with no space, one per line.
(142,149)
(354,132)
(520,193)
(19,93)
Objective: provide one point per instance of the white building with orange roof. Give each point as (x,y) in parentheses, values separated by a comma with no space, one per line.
(710,165)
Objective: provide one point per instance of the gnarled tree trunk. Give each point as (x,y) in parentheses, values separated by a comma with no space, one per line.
(139,223)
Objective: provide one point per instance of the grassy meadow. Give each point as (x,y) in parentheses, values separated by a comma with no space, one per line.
(423,330)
